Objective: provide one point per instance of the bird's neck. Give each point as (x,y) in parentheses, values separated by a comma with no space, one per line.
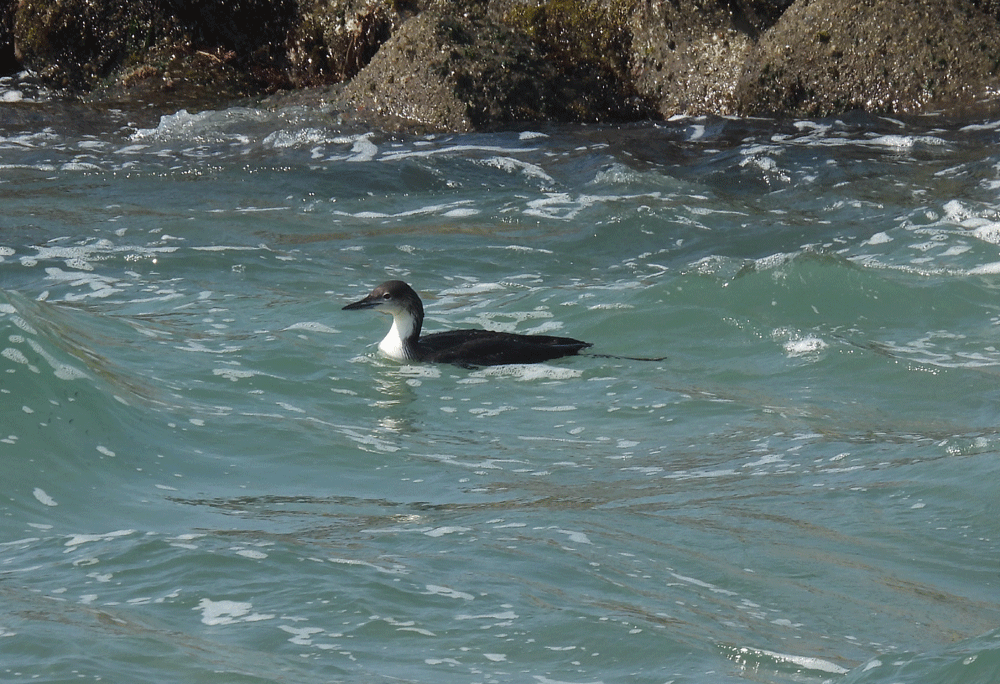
(401,341)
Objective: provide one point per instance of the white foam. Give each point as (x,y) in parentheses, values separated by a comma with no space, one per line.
(430,210)
(446,529)
(986,269)
(529,373)
(23,325)
(505,615)
(521,248)
(61,370)
(290,407)
(576,537)
(460,213)
(14,355)
(808,662)
(448,592)
(284,139)
(454,150)
(394,570)
(200,128)
(804,346)
(234,374)
(250,553)
(561,205)
(512,165)
(43,498)
(879,238)
(228,612)
(476,288)
(988,233)
(100,286)
(705,585)
(79,166)
(302,635)
(906,142)
(362,148)
(78,539)
(312,326)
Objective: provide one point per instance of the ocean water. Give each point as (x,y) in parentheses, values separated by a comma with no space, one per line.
(210,474)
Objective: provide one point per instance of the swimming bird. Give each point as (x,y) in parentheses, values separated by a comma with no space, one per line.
(467,348)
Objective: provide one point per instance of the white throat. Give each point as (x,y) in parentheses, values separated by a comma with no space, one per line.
(394,344)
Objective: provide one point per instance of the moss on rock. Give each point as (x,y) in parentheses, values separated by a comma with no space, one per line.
(893,56)
(334,39)
(9,63)
(83,44)
(464,64)
(477,68)
(425,73)
(74,43)
(588,43)
(687,55)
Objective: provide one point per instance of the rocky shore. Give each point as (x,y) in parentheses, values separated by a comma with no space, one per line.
(461,65)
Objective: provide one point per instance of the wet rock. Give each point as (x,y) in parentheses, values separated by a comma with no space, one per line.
(588,45)
(756,16)
(687,56)
(333,40)
(178,77)
(8,60)
(901,56)
(419,74)
(476,69)
(991,7)
(480,64)
(74,43)
(84,44)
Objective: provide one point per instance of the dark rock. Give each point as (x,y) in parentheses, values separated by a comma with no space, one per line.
(589,44)
(179,77)
(73,43)
(755,16)
(419,73)
(83,44)
(480,64)
(892,56)
(991,7)
(687,55)
(334,39)
(467,70)
(8,60)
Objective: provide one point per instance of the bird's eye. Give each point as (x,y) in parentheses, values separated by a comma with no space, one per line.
(387,296)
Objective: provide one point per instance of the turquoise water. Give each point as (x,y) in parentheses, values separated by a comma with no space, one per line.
(210,475)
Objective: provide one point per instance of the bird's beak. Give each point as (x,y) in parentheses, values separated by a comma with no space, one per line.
(368,302)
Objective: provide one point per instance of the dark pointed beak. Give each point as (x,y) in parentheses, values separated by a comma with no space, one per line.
(368,302)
